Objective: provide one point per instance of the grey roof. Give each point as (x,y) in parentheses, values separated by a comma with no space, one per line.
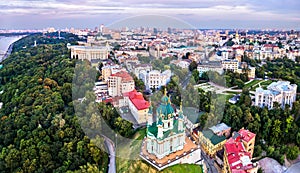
(219,127)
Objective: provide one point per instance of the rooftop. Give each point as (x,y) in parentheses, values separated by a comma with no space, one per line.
(219,128)
(138,100)
(246,135)
(89,47)
(281,86)
(124,75)
(215,139)
(238,159)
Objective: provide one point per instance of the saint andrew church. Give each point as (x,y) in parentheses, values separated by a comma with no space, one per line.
(167,134)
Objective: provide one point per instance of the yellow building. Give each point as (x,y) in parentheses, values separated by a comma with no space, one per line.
(248,139)
(214,138)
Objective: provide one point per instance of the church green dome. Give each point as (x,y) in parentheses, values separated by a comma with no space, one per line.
(165,99)
(165,107)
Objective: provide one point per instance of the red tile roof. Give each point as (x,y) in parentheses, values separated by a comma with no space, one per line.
(108,100)
(124,75)
(137,100)
(239,159)
(235,153)
(246,135)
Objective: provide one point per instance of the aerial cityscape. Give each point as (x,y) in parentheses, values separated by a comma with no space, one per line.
(150,86)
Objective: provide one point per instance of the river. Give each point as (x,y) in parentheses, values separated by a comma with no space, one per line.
(5,41)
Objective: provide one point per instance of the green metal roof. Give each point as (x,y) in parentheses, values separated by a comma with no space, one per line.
(215,139)
(152,130)
(165,99)
(165,109)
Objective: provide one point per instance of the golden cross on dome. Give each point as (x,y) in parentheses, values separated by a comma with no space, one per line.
(165,91)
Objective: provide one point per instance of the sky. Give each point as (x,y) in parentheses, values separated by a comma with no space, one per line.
(229,14)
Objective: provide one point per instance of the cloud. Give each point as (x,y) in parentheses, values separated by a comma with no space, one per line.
(221,10)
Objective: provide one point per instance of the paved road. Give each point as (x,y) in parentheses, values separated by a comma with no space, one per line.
(295,168)
(186,80)
(112,154)
(209,163)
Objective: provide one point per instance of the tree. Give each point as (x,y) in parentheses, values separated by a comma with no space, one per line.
(255,126)
(293,152)
(276,132)
(195,74)
(248,118)
(297,59)
(39,114)
(193,66)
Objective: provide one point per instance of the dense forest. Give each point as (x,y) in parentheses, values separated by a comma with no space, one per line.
(39,129)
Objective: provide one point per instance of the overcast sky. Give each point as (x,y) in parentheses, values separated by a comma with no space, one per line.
(37,14)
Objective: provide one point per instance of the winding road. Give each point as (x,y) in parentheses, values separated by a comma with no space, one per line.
(112,154)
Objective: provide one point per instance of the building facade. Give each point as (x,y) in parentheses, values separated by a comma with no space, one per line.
(281,92)
(210,66)
(120,83)
(108,70)
(138,106)
(156,79)
(238,151)
(89,53)
(230,65)
(213,139)
(167,134)
(141,71)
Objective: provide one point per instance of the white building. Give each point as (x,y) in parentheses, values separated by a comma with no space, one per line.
(236,66)
(141,70)
(156,79)
(181,63)
(89,52)
(210,66)
(230,65)
(281,92)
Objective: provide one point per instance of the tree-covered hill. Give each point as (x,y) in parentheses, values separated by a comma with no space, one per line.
(39,131)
